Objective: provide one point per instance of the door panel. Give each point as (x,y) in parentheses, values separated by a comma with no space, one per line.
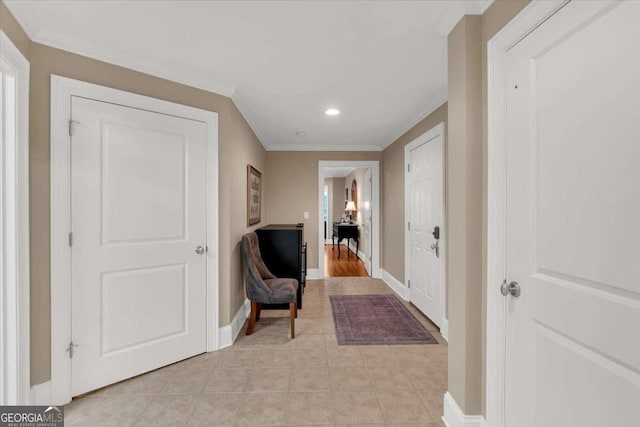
(426,196)
(573,228)
(149,209)
(138,213)
(132,317)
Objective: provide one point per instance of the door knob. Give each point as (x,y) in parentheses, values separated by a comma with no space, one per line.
(199,250)
(512,288)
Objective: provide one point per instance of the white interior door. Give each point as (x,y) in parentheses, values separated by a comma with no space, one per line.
(138,214)
(573,220)
(426,199)
(366,221)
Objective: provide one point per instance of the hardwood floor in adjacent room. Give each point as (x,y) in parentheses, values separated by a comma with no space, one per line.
(347,265)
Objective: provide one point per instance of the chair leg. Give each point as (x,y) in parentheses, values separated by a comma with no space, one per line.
(259,310)
(292,311)
(252,317)
(296,305)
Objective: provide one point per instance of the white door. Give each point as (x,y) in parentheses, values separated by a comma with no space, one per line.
(573,220)
(425,193)
(366,220)
(138,214)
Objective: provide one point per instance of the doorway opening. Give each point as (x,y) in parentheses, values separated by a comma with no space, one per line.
(349,219)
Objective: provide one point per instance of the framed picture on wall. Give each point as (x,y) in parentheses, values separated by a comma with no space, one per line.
(254,195)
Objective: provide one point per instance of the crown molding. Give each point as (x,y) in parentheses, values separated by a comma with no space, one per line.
(27,17)
(30,19)
(417,119)
(241,105)
(322,147)
(477,7)
(33,24)
(131,62)
(457,9)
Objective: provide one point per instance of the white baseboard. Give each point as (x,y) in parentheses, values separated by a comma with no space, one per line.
(229,333)
(397,286)
(361,254)
(40,394)
(313,273)
(444,330)
(454,417)
(352,247)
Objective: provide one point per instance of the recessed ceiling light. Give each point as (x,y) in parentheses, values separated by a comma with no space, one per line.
(300,133)
(332,112)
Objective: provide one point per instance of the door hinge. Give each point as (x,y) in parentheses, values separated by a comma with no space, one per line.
(408,167)
(70,349)
(409,225)
(71,122)
(408,284)
(70,239)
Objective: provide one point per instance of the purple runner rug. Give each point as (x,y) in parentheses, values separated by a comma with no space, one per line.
(376,319)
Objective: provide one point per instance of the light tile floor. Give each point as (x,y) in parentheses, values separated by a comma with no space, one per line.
(269,379)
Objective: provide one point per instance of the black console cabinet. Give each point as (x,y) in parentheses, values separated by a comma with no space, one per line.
(284,251)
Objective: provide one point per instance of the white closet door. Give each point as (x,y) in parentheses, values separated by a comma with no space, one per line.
(138,217)
(573,220)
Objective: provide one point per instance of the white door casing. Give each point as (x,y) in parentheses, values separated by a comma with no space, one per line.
(132,238)
(424,210)
(571,212)
(374,165)
(366,220)
(14,225)
(138,212)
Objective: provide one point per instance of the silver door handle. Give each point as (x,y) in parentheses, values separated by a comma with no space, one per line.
(512,288)
(199,250)
(436,248)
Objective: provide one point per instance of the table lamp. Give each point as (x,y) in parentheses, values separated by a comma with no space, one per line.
(351,206)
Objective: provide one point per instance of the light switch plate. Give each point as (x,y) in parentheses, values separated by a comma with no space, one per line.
(306,215)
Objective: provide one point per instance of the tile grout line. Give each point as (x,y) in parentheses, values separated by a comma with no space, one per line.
(320,339)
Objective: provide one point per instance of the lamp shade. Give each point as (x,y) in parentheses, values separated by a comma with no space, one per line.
(350,206)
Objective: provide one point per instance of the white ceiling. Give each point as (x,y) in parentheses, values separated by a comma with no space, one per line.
(337,172)
(382,63)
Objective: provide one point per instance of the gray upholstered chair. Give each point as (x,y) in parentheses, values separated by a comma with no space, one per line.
(262,286)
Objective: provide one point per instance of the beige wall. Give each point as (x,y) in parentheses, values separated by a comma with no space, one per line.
(238,146)
(357,175)
(338,200)
(292,189)
(464,214)
(393,191)
(467,195)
